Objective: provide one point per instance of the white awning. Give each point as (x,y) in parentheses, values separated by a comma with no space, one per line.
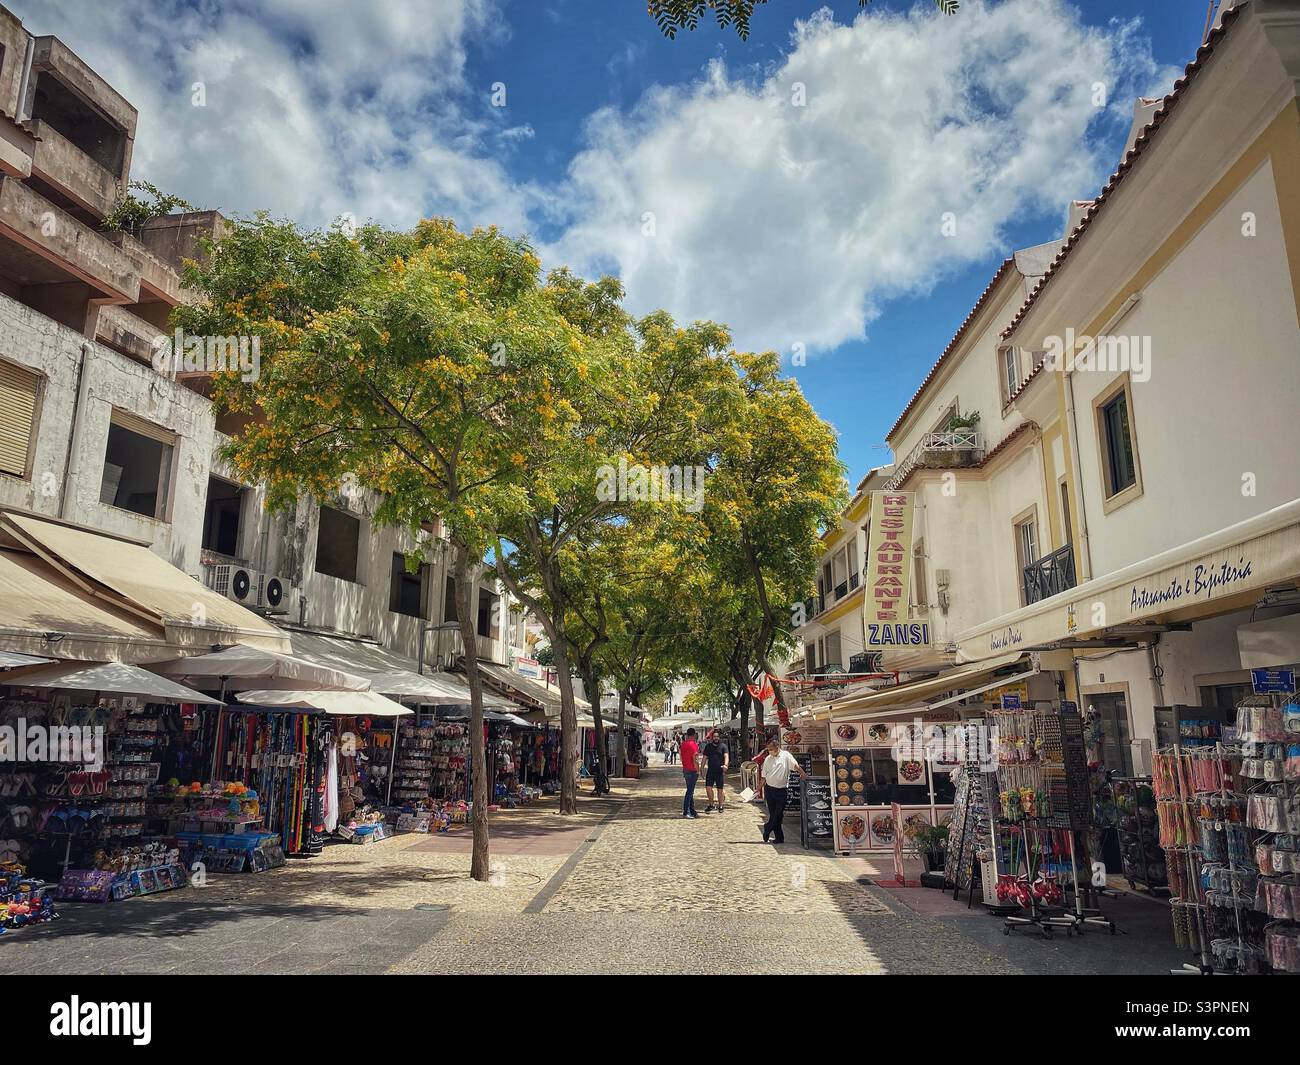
(341,704)
(389,673)
(116,678)
(1200,578)
(242,668)
(911,696)
(535,691)
(130,577)
(13,660)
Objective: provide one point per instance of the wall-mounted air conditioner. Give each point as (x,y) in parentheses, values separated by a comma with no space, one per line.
(234,582)
(275,593)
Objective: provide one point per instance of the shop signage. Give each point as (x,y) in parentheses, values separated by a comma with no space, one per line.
(886,604)
(1267,681)
(1251,556)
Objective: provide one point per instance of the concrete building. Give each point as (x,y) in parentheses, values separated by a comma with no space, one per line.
(91,433)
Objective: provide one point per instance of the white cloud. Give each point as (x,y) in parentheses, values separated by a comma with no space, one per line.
(793,224)
(796,224)
(313,107)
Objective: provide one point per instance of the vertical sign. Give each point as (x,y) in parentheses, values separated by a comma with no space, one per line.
(886,605)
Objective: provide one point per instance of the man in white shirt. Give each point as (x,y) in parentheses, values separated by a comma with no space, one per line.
(777,767)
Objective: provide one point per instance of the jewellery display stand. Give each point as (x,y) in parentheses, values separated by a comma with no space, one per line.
(1045,802)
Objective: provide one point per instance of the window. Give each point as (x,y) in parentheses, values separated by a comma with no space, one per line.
(338,543)
(407,590)
(1121,475)
(833,650)
(489,624)
(855,575)
(1067,533)
(221,517)
(1010,372)
(19,389)
(810,659)
(449,611)
(1026,543)
(137,466)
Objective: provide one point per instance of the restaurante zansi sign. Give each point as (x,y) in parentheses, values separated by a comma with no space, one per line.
(886,606)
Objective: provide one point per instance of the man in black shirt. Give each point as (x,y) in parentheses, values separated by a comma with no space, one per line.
(718,760)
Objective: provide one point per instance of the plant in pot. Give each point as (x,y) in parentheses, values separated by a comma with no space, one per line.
(929,843)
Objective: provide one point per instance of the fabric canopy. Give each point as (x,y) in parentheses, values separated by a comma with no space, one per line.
(242,668)
(906,696)
(532,690)
(13,660)
(130,576)
(388,673)
(340,703)
(117,678)
(40,609)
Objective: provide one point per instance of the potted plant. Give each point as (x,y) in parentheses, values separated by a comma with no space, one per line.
(929,843)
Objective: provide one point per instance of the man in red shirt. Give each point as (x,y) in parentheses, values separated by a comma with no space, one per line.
(690,752)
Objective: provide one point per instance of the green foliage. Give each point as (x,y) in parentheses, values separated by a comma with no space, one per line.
(672,16)
(131,211)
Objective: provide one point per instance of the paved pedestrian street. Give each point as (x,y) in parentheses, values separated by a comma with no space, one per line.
(625,886)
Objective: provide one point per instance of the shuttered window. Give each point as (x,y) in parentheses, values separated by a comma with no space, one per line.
(18,392)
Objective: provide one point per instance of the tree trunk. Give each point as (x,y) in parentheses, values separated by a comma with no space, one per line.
(568,728)
(743,709)
(592,685)
(622,736)
(478,869)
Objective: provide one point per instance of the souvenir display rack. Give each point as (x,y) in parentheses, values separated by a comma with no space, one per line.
(1138,832)
(970,831)
(1229,819)
(413,768)
(1044,804)
(1270,771)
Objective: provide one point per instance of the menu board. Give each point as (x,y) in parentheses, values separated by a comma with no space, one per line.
(850,775)
(816,820)
(793,802)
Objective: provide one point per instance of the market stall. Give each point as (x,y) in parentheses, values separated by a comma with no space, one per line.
(89,742)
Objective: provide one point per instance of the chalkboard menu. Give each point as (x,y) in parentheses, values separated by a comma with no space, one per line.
(816,816)
(793,801)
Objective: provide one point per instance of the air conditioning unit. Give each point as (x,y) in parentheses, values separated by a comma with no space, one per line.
(275,593)
(235,582)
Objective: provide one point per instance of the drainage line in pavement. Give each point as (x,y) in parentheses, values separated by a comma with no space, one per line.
(562,874)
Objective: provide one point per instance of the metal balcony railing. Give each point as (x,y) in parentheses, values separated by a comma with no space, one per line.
(1049,575)
(951,449)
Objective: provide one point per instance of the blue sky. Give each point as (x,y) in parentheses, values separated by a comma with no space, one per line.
(803,223)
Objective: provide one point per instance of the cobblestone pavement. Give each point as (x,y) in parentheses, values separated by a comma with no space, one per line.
(625,886)
(652,860)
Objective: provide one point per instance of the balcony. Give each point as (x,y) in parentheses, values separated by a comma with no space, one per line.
(1050,575)
(947,450)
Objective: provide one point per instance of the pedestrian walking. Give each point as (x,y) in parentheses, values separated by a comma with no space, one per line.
(717,760)
(777,767)
(690,772)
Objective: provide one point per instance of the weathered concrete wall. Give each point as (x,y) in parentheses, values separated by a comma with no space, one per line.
(66,477)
